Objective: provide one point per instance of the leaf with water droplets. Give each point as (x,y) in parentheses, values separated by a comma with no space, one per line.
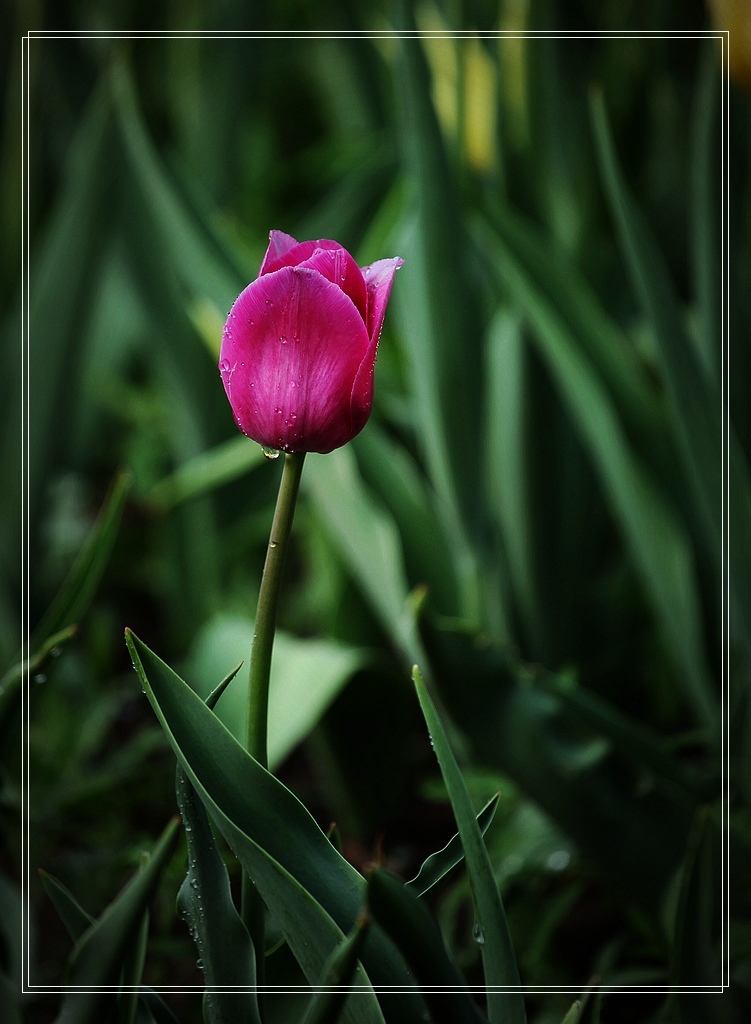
(498,957)
(225,949)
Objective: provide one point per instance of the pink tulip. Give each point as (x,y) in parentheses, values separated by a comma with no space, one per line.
(299,346)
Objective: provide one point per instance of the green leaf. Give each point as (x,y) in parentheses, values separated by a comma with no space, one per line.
(415,931)
(312,892)
(368,540)
(438,865)
(498,957)
(306,676)
(99,954)
(506,464)
(438,310)
(575,779)
(129,998)
(208,471)
(394,476)
(76,593)
(704,438)
(205,901)
(635,739)
(327,1004)
(77,921)
(698,927)
(706,251)
(10,684)
(202,260)
(572,1017)
(65,276)
(659,542)
(69,910)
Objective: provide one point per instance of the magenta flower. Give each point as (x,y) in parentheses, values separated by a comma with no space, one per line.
(299,346)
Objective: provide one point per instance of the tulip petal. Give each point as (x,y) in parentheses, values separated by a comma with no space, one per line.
(297,254)
(339,267)
(379,277)
(279,244)
(292,347)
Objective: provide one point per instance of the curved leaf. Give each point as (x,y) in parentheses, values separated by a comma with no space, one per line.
(314,894)
(498,957)
(414,929)
(98,956)
(438,865)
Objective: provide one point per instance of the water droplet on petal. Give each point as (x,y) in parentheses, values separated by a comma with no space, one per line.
(283,339)
(224,366)
(270,453)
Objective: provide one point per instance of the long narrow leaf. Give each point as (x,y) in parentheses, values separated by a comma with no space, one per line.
(368,540)
(696,404)
(413,928)
(205,900)
(99,954)
(658,540)
(505,1006)
(80,585)
(313,893)
(328,1002)
(440,864)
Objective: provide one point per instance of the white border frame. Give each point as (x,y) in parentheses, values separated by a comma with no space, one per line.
(722,36)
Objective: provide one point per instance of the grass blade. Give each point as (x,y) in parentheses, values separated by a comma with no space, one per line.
(413,928)
(312,892)
(76,593)
(327,1004)
(437,866)
(695,402)
(98,956)
(498,957)
(205,901)
(659,543)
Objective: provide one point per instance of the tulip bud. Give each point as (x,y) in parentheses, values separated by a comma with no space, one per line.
(299,346)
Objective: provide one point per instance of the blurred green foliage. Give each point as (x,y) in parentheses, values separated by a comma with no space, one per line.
(538,511)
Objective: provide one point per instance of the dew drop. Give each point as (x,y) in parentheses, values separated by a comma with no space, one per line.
(270,453)
(283,339)
(224,366)
(558,860)
(40,678)
(272,543)
(56,652)
(477,934)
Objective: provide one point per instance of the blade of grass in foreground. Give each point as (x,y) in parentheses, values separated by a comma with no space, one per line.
(492,932)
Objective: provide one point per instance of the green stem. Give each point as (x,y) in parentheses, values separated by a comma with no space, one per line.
(268,600)
(260,670)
